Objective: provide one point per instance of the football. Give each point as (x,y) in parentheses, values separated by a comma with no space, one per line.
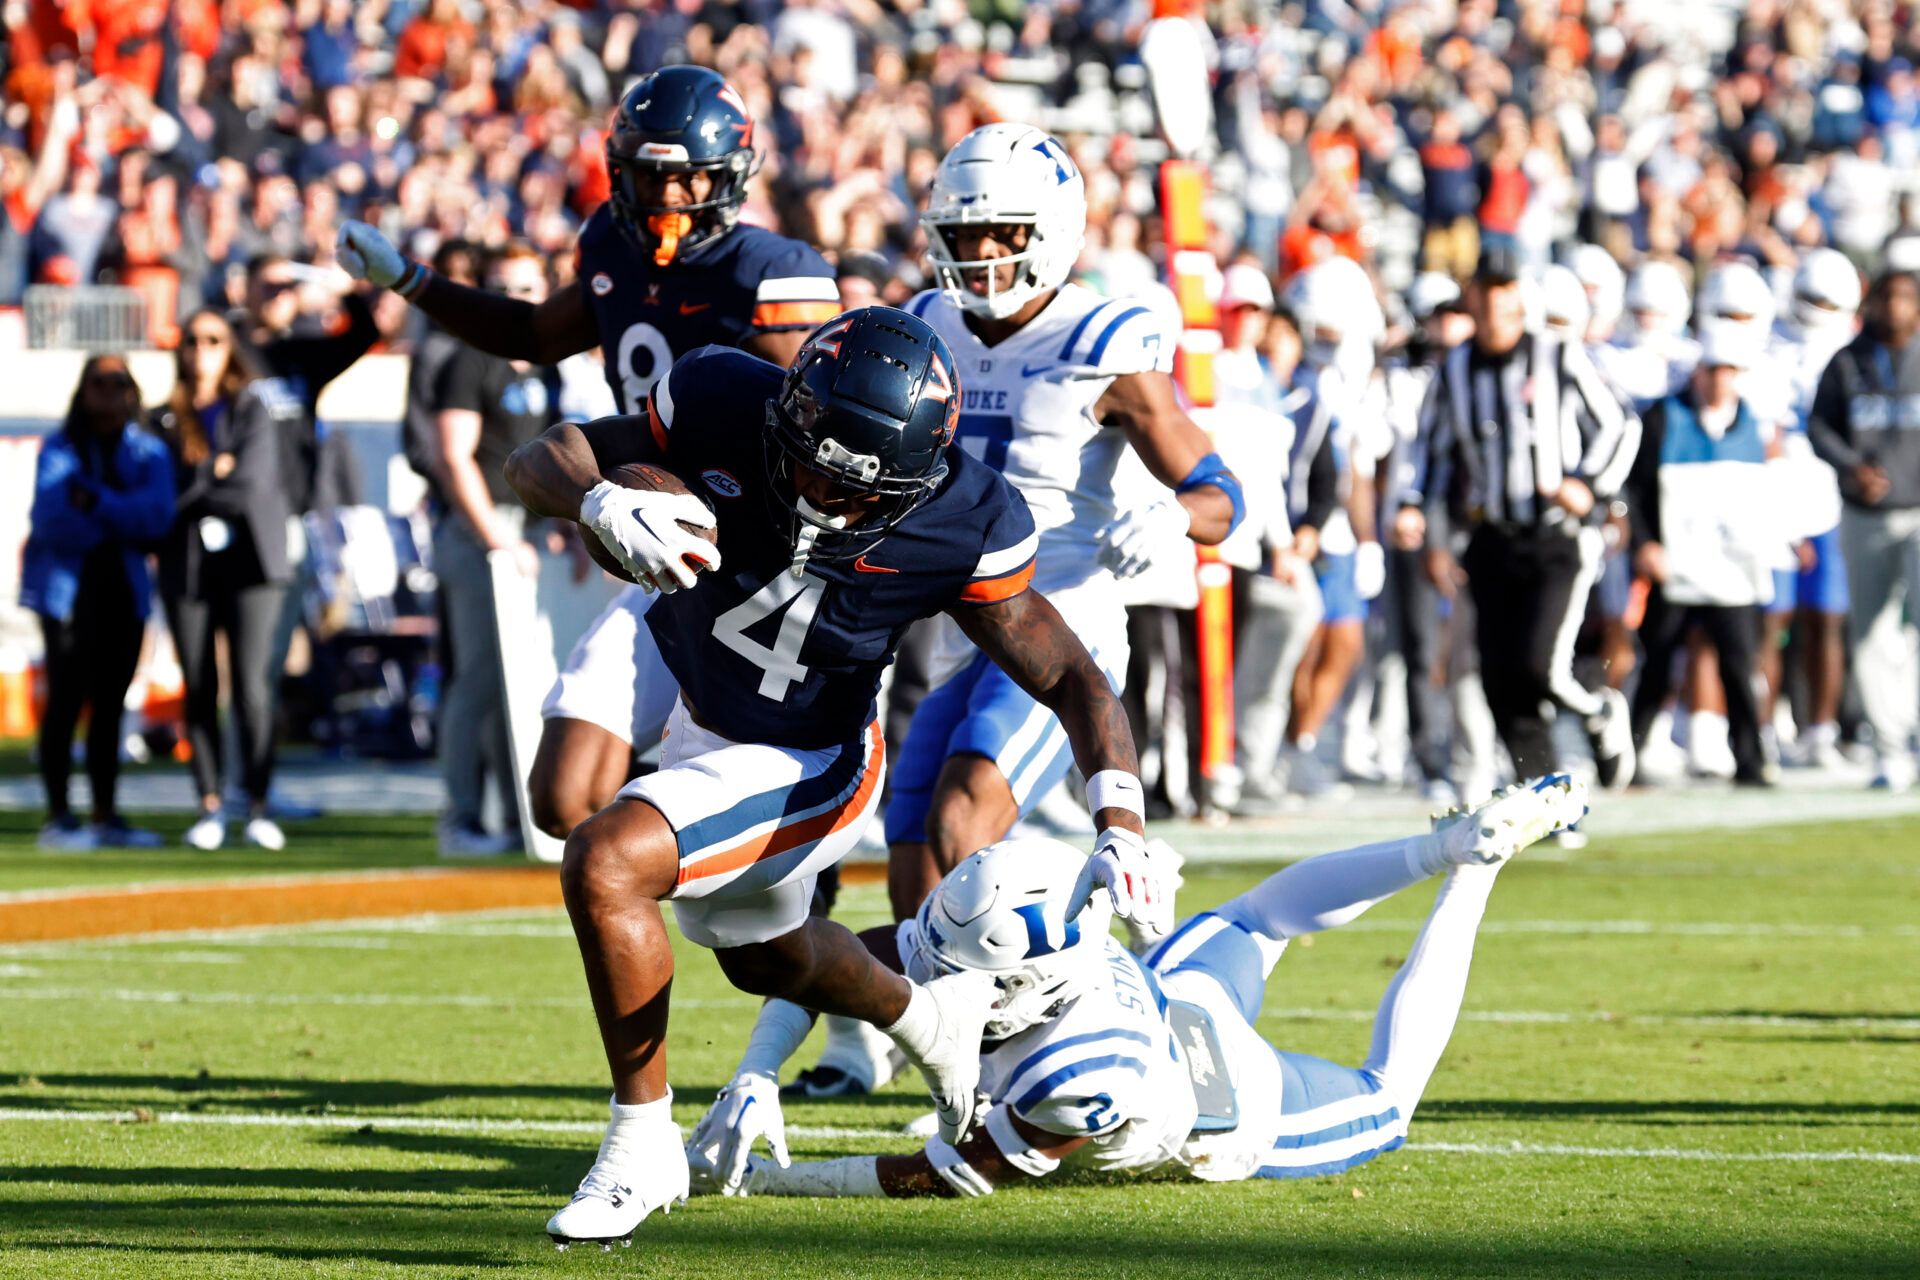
(641,475)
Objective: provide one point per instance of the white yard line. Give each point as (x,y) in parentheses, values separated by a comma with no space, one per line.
(477,1125)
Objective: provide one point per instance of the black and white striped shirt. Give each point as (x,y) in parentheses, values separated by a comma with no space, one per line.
(1498,431)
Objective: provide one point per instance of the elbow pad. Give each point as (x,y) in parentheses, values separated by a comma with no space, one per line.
(1210,470)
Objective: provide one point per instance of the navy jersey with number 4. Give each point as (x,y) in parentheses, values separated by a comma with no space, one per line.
(746,282)
(764,656)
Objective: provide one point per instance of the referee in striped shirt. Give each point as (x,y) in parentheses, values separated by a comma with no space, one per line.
(1521,448)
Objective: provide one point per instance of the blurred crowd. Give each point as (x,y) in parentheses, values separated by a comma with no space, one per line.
(204,153)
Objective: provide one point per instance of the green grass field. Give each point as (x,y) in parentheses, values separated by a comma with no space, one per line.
(1681,1055)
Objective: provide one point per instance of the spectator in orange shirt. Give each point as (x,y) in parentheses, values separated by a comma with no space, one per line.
(421,51)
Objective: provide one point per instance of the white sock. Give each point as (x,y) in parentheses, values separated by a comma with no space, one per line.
(1421,1004)
(633,1127)
(859,1049)
(918,1026)
(1326,892)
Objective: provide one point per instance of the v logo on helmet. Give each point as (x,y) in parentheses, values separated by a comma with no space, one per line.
(827,337)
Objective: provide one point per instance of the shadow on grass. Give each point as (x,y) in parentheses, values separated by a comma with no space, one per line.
(214,1093)
(1670,1111)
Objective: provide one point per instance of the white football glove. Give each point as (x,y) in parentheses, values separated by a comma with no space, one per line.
(744,1112)
(1369,569)
(1139,878)
(641,528)
(365,254)
(1129,543)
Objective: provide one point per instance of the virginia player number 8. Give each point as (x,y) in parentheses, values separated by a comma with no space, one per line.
(638,338)
(780,665)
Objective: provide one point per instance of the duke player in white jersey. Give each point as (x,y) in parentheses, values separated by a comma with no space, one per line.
(1057,382)
(1110,1061)
(1822,318)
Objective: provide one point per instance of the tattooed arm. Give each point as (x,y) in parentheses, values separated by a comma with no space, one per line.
(1031,642)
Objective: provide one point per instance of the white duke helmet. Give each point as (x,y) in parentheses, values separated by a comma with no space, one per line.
(1656,301)
(1736,293)
(1003,912)
(1007,173)
(1339,317)
(1826,291)
(1564,310)
(1605,282)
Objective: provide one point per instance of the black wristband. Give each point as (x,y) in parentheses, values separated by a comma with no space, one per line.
(412,281)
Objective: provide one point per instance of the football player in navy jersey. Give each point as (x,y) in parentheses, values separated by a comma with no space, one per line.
(663,269)
(842,517)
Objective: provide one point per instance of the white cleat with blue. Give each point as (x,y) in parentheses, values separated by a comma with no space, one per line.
(1523,814)
(642,1166)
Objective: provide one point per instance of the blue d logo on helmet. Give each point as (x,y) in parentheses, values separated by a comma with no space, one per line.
(870,403)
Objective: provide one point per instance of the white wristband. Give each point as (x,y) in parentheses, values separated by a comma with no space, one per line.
(1116,789)
(777,1034)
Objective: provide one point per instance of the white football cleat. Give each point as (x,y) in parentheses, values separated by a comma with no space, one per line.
(263,832)
(1522,814)
(641,1167)
(208,832)
(1610,734)
(948,1051)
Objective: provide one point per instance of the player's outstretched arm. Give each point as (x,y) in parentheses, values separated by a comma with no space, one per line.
(1176,451)
(1004,1151)
(1031,642)
(1026,636)
(544,333)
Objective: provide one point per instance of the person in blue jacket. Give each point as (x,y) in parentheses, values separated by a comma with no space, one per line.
(103,491)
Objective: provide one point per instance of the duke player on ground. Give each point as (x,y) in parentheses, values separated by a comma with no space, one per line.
(843,517)
(663,269)
(1130,1064)
(1058,382)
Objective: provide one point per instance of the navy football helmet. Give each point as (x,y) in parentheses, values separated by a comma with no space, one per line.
(679,120)
(870,403)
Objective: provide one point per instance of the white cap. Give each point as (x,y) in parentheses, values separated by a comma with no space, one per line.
(1429,292)
(1724,342)
(1246,285)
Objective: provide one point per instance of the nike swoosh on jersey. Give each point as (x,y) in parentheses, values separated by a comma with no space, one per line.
(688,308)
(1028,370)
(862,565)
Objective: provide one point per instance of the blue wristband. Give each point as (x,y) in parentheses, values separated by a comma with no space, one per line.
(1210,470)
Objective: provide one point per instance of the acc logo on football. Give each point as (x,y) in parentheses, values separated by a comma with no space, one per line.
(721,482)
(602,284)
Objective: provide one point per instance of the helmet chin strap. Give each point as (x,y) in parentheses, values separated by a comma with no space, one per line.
(811,521)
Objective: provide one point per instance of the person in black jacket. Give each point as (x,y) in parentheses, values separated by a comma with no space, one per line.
(304,354)
(223,566)
(1865,423)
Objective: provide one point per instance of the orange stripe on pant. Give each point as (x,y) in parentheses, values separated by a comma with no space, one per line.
(784,839)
